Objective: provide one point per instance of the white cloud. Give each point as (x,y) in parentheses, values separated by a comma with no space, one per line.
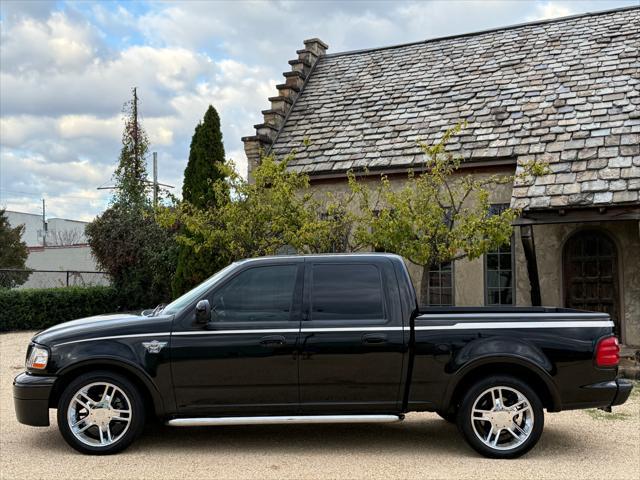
(55,44)
(551,10)
(66,69)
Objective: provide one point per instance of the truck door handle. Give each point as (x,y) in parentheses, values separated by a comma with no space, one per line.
(272,341)
(374,338)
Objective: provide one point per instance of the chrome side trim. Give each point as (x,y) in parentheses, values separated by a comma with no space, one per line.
(511,325)
(115,337)
(212,421)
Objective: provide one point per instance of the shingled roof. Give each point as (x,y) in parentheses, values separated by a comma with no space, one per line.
(565,91)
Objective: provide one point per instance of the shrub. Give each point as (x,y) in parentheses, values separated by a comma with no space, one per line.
(36,309)
(138,254)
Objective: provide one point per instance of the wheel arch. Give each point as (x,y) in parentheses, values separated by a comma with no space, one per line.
(151,395)
(512,365)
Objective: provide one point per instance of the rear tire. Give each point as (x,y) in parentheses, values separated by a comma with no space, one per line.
(501,417)
(100,413)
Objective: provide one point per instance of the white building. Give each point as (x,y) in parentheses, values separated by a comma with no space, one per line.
(59,231)
(62,257)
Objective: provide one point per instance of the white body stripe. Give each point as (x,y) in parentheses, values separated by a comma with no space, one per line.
(237,332)
(450,316)
(115,337)
(511,325)
(455,326)
(353,329)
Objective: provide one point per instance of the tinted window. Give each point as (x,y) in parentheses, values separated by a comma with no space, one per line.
(257,294)
(346,292)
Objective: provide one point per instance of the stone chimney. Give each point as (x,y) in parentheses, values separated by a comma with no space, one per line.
(288,91)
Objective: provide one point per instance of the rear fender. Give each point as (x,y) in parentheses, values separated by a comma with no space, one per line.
(482,353)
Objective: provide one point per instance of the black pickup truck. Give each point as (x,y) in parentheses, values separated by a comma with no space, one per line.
(311,339)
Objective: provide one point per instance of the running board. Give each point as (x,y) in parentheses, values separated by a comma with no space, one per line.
(210,421)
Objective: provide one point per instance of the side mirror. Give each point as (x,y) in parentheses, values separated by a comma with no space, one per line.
(203,311)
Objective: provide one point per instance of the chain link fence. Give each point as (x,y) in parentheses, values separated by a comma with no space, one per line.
(21,278)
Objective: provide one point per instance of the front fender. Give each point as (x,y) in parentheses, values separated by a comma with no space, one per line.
(483,352)
(119,363)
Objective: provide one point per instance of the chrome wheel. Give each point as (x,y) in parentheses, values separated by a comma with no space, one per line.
(99,414)
(502,418)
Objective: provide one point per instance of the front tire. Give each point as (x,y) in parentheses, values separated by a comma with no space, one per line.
(100,413)
(501,417)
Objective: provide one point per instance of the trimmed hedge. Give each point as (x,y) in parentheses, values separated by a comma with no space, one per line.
(36,309)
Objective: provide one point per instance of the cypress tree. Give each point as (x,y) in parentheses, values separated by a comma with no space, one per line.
(206,155)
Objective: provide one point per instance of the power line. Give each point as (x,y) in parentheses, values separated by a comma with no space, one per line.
(39,195)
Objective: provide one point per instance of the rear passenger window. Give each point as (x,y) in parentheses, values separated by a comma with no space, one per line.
(346,292)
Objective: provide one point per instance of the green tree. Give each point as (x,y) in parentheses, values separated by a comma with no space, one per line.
(13,253)
(206,158)
(275,212)
(131,173)
(127,242)
(437,216)
(204,169)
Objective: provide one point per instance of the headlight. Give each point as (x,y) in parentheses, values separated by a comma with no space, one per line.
(38,358)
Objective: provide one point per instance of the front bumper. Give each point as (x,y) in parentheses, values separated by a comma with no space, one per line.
(31,398)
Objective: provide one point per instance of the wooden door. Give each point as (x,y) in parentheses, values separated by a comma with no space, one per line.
(591,274)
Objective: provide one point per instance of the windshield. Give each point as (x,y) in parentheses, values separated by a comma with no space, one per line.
(195,294)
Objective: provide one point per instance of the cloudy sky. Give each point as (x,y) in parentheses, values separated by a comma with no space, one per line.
(66,68)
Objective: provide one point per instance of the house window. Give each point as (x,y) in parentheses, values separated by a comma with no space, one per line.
(499,271)
(440,285)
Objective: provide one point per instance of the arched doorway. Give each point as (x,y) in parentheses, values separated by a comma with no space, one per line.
(590,264)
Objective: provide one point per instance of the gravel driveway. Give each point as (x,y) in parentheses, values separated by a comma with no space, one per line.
(574,445)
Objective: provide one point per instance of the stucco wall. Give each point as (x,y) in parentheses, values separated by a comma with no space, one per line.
(550,240)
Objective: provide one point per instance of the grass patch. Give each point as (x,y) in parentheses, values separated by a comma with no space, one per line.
(598,414)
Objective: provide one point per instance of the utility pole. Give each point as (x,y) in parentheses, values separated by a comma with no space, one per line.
(155,184)
(44,226)
(155,180)
(136,159)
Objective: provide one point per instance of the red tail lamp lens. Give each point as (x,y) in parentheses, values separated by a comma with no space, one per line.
(608,352)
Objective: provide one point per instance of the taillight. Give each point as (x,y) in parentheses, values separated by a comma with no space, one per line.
(608,352)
